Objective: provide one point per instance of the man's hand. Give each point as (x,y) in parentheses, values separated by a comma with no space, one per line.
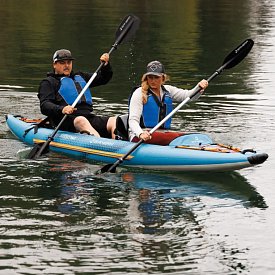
(67,110)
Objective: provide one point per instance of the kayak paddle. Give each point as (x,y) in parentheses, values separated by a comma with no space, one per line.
(234,58)
(125,31)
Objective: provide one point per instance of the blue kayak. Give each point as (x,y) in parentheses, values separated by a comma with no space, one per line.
(185,152)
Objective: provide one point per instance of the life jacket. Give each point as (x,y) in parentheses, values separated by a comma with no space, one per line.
(71,88)
(155,110)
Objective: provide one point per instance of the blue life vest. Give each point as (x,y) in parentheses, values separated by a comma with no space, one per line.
(71,88)
(155,110)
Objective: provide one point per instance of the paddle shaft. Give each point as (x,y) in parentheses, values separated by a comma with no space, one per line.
(120,160)
(195,92)
(50,138)
(124,30)
(230,61)
(86,87)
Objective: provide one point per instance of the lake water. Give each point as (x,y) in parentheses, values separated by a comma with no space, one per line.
(58,217)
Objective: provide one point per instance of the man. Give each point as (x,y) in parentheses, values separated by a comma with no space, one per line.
(59,90)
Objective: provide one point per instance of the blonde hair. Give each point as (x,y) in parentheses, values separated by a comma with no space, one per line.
(145,86)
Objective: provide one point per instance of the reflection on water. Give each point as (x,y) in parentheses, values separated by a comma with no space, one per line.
(162,197)
(57,217)
(68,210)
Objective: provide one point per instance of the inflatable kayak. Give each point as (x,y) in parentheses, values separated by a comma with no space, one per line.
(183,152)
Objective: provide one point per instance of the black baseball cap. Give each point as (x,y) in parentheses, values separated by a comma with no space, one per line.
(62,54)
(155,68)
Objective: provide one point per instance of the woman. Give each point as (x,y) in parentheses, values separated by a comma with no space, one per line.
(151,102)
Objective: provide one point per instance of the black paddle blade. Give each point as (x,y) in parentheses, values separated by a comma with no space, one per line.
(127,29)
(106,168)
(237,55)
(37,151)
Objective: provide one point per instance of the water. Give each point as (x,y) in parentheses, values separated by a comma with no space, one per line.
(58,217)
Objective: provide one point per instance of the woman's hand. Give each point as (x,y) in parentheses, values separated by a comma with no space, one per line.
(145,136)
(203,84)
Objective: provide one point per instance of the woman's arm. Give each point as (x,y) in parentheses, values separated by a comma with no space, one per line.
(179,94)
(135,112)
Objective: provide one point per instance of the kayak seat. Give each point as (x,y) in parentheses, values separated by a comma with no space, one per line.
(121,131)
(37,123)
